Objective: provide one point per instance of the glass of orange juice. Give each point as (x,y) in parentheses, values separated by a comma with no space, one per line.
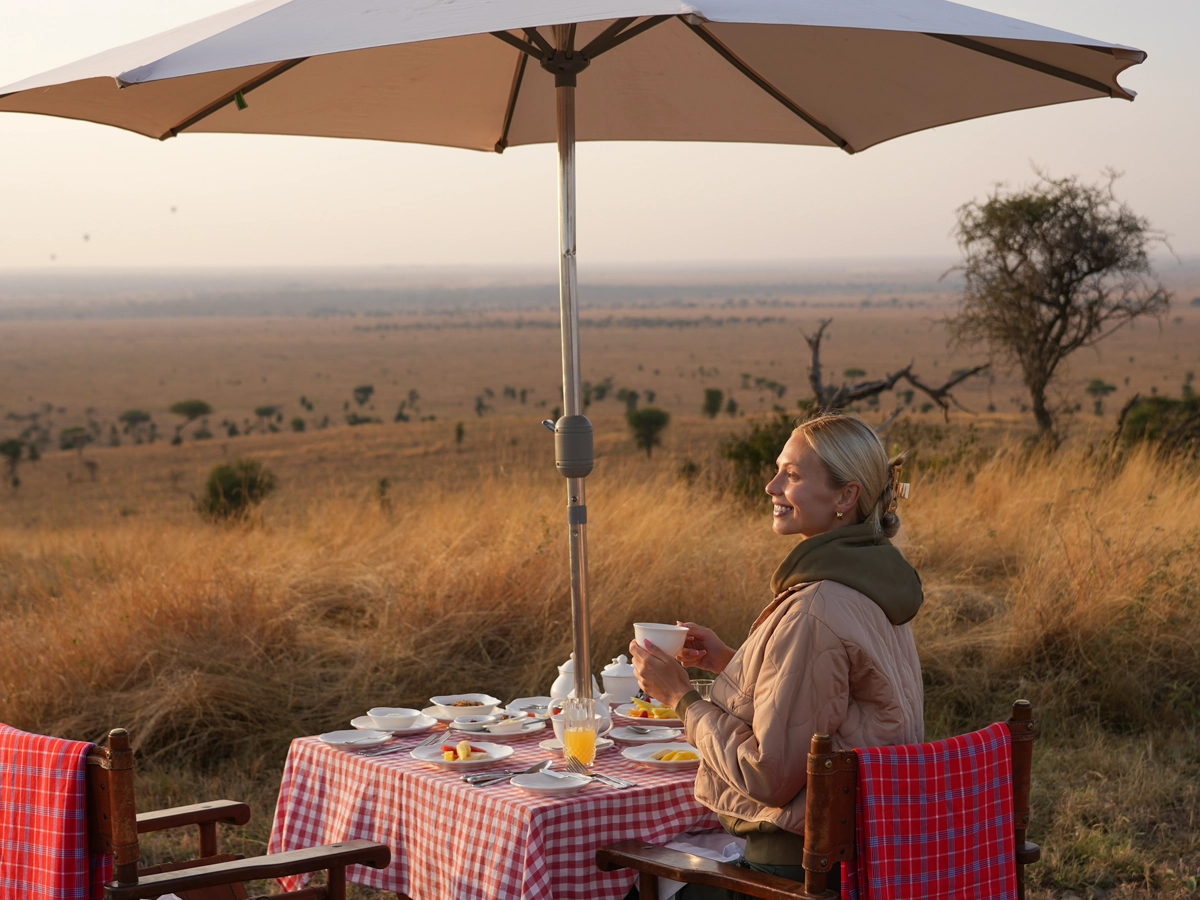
(579,729)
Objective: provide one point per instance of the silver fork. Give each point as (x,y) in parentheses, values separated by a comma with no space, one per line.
(435,736)
(574,765)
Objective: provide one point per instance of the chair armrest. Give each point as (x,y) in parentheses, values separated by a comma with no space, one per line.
(228,812)
(276,865)
(696,870)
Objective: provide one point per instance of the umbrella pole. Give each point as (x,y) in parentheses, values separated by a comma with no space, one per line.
(573,432)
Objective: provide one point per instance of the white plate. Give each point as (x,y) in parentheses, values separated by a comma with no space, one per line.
(432,755)
(534,725)
(641,756)
(445,705)
(623,712)
(355,740)
(626,735)
(554,745)
(435,713)
(423,724)
(541,785)
(514,708)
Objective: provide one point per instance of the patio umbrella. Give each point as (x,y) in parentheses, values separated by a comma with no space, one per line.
(492,74)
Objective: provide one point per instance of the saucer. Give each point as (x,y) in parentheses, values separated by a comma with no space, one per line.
(658,733)
(541,785)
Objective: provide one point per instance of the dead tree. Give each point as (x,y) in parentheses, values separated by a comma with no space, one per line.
(830,396)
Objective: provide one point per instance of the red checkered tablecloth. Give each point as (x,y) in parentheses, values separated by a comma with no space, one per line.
(451,841)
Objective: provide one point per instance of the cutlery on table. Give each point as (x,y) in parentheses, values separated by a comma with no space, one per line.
(435,736)
(485,779)
(578,768)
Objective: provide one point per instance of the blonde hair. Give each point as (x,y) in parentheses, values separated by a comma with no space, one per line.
(850,450)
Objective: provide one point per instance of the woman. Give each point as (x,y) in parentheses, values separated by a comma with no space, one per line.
(832,653)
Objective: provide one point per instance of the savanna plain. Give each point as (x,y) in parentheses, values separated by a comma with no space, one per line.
(422,550)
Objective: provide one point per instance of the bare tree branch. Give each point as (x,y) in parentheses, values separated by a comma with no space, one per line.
(826,396)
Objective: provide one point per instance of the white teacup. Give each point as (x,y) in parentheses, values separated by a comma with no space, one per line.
(667,638)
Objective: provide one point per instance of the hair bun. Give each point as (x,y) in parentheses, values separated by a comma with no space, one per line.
(889,524)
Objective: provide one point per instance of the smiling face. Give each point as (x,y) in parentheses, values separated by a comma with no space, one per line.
(804,502)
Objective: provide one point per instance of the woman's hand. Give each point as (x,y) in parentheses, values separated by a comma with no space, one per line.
(658,675)
(703,649)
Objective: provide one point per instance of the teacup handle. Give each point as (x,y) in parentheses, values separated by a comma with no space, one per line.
(604,727)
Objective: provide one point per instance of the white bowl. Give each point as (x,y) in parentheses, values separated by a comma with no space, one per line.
(667,638)
(393,718)
(486,705)
(472,723)
(423,723)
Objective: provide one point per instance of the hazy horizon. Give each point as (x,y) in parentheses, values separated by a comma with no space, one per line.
(83,195)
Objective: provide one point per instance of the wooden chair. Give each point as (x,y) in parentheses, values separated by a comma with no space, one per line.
(828,829)
(114,826)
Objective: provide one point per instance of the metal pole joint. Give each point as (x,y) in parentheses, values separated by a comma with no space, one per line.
(564,65)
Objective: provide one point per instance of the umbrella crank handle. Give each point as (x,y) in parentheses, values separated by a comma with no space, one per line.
(548,424)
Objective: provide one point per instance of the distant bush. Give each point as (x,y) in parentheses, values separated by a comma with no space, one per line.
(1172,425)
(753,454)
(233,489)
(298,424)
(647,426)
(713,398)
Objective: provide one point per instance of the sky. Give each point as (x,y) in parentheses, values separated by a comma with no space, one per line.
(252,201)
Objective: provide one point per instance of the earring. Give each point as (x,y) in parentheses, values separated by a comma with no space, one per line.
(839,515)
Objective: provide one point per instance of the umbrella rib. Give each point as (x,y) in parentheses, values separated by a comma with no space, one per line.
(734,60)
(603,37)
(1017,59)
(523,46)
(536,37)
(518,75)
(607,42)
(228,96)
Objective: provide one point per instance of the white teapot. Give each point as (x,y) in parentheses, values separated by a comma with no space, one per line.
(564,684)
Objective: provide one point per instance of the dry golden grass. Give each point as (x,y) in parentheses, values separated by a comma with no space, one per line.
(1051,578)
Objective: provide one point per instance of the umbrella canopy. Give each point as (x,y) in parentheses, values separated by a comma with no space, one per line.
(466,73)
(846,73)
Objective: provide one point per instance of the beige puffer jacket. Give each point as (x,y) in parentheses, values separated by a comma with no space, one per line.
(822,657)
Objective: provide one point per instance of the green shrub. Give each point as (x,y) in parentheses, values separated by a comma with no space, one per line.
(753,454)
(233,489)
(1173,425)
(647,425)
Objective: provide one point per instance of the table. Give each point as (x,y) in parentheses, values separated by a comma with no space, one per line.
(452,841)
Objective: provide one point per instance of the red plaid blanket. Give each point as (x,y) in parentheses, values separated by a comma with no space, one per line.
(43,820)
(935,821)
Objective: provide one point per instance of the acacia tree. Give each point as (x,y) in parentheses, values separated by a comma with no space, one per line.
(1050,269)
(191,410)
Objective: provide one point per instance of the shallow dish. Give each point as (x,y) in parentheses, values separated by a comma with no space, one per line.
(445,704)
(423,723)
(532,726)
(355,740)
(432,755)
(541,704)
(625,709)
(542,785)
(656,735)
(393,718)
(472,723)
(642,756)
(554,745)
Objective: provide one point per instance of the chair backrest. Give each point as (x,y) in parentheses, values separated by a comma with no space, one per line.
(112,815)
(829,829)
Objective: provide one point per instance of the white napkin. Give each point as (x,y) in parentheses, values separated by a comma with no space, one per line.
(715,845)
(169,897)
